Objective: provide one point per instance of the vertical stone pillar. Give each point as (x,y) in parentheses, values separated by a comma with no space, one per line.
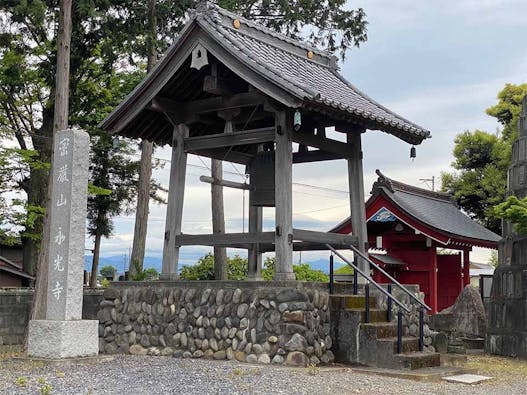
(63,333)
(507,312)
(284,198)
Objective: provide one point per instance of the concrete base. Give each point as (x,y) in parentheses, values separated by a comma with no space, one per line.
(63,339)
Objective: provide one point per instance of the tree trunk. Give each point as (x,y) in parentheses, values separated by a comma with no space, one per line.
(218,220)
(95,262)
(141,214)
(145,170)
(60,122)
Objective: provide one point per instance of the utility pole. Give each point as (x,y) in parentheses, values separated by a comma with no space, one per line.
(432,180)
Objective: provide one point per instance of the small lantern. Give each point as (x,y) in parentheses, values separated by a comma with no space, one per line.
(115,142)
(412,153)
(297,120)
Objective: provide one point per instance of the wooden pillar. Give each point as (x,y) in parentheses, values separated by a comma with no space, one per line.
(284,198)
(255,256)
(218,220)
(432,279)
(356,188)
(466,268)
(175,204)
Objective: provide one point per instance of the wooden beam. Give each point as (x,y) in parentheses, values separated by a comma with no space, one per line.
(225,183)
(242,158)
(175,204)
(218,219)
(324,237)
(314,156)
(246,99)
(357,204)
(225,239)
(284,198)
(323,143)
(222,140)
(254,255)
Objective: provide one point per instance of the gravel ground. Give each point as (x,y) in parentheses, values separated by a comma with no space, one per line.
(164,375)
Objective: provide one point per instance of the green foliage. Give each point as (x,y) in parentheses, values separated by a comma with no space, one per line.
(493,260)
(515,211)
(237,270)
(204,269)
(344,270)
(482,160)
(108,271)
(304,272)
(141,274)
(105,283)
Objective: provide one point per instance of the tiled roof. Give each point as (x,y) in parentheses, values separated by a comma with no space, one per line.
(435,209)
(316,81)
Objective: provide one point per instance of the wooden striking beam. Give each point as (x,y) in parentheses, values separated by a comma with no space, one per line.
(323,143)
(225,183)
(314,156)
(225,239)
(301,246)
(247,99)
(222,140)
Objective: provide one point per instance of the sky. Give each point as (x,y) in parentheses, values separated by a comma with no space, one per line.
(438,63)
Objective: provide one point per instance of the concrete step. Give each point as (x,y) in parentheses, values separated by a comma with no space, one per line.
(418,360)
(339,301)
(380,329)
(376,315)
(409,344)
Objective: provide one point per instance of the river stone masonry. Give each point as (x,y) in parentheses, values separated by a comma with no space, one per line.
(261,323)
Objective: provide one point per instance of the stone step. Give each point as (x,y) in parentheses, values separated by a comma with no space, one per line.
(376,315)
(418,360)
(473,343)
(409,344)
(350,301)
(380,329)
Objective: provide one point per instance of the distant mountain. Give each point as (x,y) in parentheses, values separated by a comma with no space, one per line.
(323,265)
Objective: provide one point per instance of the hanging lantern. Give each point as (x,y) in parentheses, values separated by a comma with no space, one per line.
(297,120)
(412,153)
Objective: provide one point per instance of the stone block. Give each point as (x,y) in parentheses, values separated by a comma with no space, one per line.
(63,339)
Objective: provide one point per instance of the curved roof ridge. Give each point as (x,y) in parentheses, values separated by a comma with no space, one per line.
(299,44)
(394,185)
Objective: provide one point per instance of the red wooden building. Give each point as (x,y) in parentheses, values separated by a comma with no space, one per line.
(410,225)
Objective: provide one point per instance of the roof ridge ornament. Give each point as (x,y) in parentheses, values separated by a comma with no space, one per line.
(383,181)
(207,9)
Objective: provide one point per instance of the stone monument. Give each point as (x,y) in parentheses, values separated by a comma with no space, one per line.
(63,333)
(507,314)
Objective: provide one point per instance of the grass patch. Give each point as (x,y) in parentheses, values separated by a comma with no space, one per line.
(7,352)
(501,368)
(345,270)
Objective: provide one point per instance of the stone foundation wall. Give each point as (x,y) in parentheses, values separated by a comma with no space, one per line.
(256,322)
(15,306)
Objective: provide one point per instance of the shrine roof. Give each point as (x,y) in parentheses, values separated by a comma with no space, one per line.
(313,82)
(435,211)
(9,266)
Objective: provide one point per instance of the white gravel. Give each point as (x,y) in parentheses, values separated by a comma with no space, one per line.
(127,374)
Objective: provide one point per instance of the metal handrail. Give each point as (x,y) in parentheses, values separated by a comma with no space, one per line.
(381,289)
(402,287)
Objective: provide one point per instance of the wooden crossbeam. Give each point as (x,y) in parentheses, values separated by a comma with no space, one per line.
(222,140)
(324,237)
(225,239)
(323,143)
(243,158)
(314,156)
(246,99)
